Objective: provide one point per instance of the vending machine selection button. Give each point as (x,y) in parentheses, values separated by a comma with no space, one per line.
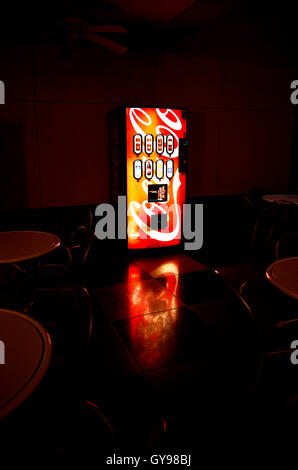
(149,169)
(160,144)
(137,144)
(170,168)
(159,169)
(170,144)
(137,169)
(149,144)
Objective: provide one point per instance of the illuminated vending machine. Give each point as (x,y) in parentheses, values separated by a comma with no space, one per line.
(148,160)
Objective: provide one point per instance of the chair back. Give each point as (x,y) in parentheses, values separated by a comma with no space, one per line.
(287,246)
(67,315)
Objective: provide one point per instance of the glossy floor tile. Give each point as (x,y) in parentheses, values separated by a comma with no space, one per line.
(165,338)
(133,299)
(173,383)
(214,314)
(108,355)
(231,323)
(166,265)
(110,271)
(240,273)
(195,287)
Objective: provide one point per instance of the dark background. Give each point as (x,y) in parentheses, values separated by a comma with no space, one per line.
(230,63)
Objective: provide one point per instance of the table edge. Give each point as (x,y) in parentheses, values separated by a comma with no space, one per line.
(34,256)
(274,283)
(39,373)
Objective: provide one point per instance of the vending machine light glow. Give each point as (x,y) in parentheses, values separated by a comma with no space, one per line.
(149,157)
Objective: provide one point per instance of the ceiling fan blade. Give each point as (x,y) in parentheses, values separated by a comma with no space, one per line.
(101,41)
(104,29)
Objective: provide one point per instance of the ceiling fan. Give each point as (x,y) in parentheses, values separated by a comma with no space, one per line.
(72,30)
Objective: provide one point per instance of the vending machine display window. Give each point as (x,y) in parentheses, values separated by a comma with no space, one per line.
(157,192)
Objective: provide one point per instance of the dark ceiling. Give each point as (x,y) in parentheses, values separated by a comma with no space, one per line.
(146,22)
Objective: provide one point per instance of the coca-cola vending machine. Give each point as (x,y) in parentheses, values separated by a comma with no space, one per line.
(148,162)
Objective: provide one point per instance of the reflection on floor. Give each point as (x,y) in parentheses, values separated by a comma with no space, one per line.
(165,347)
(171,357)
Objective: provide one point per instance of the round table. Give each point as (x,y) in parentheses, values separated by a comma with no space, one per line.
(25,354)
(283,274)
(23,245)
(281,198)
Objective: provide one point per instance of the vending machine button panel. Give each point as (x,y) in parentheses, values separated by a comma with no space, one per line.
(183,146)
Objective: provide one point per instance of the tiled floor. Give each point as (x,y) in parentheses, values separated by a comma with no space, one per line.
(136,298)
(165,265)
(161,339)
(194,287)
(164,354)
(164,331)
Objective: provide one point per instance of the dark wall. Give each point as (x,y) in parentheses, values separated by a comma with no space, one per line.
(233,80)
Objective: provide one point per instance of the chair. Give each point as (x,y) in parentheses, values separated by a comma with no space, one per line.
(83,432)
(238,274)
(75,229)
(274,403)
(54,269)
(61,427)
(287,245)
(269,307)
(67,315)
(252,206)
(263,226)
(15,288)
(240,330)
(253,267)
(80,242)
(79,234)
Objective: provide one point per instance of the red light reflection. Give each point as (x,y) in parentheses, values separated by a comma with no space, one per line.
(152,337)
(134,273)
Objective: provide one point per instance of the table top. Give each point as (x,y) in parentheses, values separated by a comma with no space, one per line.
(281,198)
(25,354)
(22,245)
(283,274)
